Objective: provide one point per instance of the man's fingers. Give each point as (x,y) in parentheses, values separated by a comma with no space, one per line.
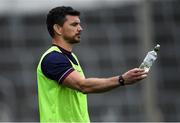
(137,70)
(141,77)
(136,74)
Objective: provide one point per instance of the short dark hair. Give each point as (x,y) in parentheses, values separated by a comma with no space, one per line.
(58,16)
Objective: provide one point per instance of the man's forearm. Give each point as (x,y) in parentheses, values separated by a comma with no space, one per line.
(97,85)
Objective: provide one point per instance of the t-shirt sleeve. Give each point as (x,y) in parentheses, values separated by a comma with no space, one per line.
(56,66)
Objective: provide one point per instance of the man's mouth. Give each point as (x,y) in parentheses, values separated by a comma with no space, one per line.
(78,35)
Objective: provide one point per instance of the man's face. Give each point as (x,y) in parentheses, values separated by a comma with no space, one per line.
(71,29)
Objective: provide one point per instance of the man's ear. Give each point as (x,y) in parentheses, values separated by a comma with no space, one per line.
(57,29)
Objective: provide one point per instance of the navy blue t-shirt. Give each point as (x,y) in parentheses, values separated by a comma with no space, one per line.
(57,66)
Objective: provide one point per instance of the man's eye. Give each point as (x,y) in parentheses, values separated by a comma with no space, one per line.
(74,24)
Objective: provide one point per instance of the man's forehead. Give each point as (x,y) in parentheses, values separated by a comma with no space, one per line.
(71,18)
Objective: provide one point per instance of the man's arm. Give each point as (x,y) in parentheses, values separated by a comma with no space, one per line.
(97,85)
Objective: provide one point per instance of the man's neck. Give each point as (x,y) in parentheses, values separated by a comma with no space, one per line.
(62,44)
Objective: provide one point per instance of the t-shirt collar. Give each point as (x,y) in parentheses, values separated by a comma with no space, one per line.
(62,49)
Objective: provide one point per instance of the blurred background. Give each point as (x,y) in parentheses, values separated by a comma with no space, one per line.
(117,35)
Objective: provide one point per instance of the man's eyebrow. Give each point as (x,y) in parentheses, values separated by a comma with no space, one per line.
(75,22)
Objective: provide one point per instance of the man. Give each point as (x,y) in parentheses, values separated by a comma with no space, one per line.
(62,87)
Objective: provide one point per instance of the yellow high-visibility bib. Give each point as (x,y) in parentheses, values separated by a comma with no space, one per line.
(58,103)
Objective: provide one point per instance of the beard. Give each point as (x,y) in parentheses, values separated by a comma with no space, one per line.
(72,40)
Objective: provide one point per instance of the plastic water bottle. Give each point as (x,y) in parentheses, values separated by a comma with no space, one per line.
(150,58)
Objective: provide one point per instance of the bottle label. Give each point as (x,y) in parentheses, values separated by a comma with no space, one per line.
(148,61)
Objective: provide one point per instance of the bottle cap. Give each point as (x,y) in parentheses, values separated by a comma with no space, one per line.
(156,48)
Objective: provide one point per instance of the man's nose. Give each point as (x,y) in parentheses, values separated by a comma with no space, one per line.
(80,28)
